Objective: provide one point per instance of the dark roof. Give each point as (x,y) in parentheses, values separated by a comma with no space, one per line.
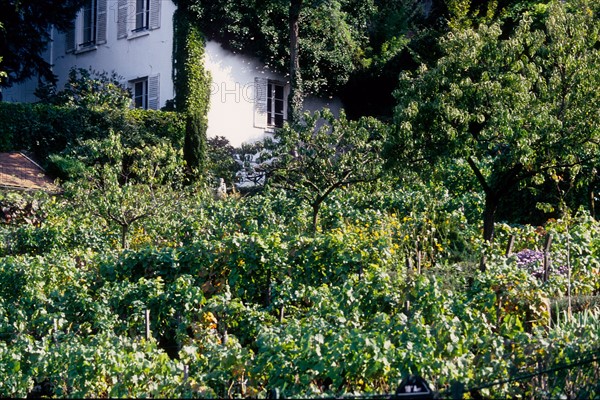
(17,171)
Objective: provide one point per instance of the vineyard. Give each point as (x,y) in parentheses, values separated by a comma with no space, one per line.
(447,232)
(239,298)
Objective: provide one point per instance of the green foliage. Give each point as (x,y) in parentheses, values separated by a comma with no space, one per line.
(121,184)
(151,127)
(246,299)
(39,128)
(332,40)
(24,36)
(460,14)
(503,104)
(332,35)
(89,89)
(323,154)
(221,155)
(245,302)
(194,146)
(47,129)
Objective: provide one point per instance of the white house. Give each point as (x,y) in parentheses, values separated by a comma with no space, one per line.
(246,98)
(134,38)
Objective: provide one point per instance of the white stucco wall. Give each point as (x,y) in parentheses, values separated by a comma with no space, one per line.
(231,112)
(144,55)
(133,57)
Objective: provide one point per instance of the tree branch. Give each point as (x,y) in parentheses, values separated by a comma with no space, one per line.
(479,175)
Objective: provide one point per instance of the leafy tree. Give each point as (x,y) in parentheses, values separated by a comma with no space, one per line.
(513,105)
(324,35)
(119,184)
(89,89)
(3,74)
(222,163)
(296,92)
(469,13)
(318,43)
(194,147)
(404,33)
(323,154)
(26,35)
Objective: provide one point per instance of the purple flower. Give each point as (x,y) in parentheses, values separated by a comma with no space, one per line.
(533,261)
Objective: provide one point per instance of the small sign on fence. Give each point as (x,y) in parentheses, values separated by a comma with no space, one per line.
(414,387)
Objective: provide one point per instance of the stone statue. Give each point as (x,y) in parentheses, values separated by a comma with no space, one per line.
(222,189)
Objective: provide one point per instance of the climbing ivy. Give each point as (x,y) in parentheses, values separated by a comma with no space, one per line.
(192,87)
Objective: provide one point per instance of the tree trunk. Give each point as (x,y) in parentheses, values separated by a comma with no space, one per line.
(592,204)
(315,216)
(504,182)
(124,230)
(296,95)
(489,216)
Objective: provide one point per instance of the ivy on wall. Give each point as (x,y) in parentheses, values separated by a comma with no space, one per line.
(192,88)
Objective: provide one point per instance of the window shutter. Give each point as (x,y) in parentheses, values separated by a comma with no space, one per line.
(122,19)
(70,40)
(260,102)
(101,21)
(153,92)
(154,14)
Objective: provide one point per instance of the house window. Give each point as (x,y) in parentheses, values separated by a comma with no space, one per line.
(89,28)
(275,104)
(136,18)
(145,92)
(270,105)
(142,15)
(140,93)
(89,24)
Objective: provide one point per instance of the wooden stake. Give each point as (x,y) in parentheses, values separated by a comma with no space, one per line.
(147,324)
(547,260)
(509,247)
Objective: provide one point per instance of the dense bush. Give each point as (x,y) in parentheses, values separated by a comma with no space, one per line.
(46,129)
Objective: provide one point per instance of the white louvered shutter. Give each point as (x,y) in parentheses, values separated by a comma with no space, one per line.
(70,40)
(154,14)
(122,16)
(260,102)
(101,21)
(154,92)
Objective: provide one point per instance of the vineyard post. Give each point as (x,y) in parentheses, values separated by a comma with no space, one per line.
(482,266)
(418,254)
(547,260)
(147,313)
(409,272)
(55,330)
(509,246)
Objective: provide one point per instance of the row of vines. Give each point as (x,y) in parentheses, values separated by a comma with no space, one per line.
(242,301)
(357,258)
